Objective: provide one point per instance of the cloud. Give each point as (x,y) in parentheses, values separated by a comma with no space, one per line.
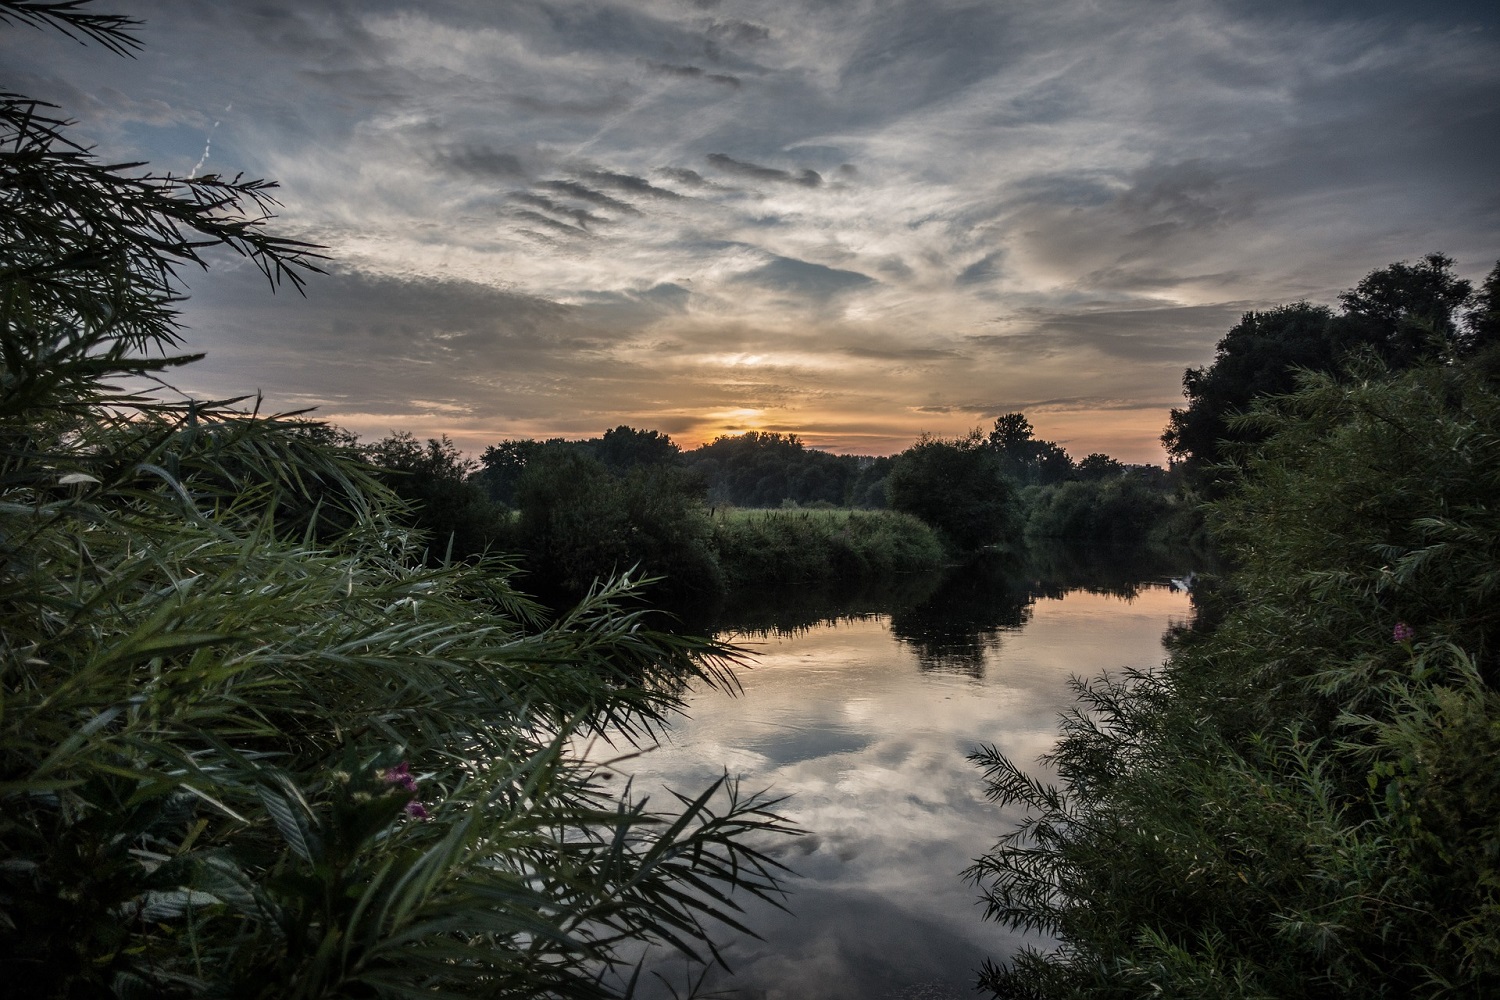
(731,32)
(693,72)
(573,189)
(985,269)
(1067,201)
(481,161)
(741,168)
(629,182)
(804,278)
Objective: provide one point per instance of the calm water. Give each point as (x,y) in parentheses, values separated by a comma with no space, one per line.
(861,710)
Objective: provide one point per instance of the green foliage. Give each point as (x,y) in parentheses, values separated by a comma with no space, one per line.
(955,486)
(1304,801)
(1121,509)
(579,522)
(241,757)
(446,502)
(1403,313)
(797,546)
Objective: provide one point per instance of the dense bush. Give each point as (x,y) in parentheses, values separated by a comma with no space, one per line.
(242,761)
(578,522)
(795,546)
(1306,799)
(1120,509)
(956,486)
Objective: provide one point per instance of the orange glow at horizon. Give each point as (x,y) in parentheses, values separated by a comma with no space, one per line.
(1131,436)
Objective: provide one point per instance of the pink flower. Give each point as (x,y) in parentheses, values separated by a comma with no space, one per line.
(1403,633)
(400,776)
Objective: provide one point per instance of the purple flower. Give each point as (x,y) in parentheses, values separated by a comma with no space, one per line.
(417,810)
(400,776)
(1403,633)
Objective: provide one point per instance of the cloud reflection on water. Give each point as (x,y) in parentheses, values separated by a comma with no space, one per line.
(864,724)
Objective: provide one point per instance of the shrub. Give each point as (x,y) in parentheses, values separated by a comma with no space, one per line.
(955,486)
(1304,801)
(798,546)
(237,760)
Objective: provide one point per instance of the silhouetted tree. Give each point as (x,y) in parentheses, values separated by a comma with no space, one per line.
(954,485)
(446,502)
(1099,466)
(625,448)
(1024,458)
(1405,313)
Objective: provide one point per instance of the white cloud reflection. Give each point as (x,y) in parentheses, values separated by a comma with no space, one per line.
(870,750)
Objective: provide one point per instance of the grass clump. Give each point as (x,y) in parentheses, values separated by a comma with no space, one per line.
(795,545)
(255,743)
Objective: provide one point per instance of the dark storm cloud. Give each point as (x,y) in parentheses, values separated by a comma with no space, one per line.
(741,168)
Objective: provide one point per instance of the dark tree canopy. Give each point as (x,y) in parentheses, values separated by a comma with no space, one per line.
(1025,458)
(1402,314)
(447,501)
(1258,357)
(625,448)
(1407,311)
(955,486)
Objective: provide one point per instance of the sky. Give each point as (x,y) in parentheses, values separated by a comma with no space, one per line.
(855,220)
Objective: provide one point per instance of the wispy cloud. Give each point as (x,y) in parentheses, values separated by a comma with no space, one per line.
(901,209)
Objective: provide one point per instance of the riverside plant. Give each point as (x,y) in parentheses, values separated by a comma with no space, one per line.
(1305,800)
(251,746)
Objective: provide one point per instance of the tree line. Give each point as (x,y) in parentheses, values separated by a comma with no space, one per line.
(577,509)
(1305,799)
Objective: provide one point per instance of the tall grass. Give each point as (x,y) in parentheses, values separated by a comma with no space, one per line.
(250,745)
(794,545)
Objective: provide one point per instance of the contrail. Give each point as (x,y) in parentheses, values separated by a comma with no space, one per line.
(207,145)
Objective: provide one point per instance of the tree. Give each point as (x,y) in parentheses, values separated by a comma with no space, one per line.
(1408,311)
(242,761)
(1024,458)
(1258,356)
(1099,466)
(447,501)
(624,448)
(1482,324)
(1305,800)
(1404,314)
(955,486)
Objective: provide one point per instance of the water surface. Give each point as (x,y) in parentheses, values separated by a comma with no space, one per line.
(864,720)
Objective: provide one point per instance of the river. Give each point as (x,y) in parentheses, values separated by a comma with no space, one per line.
(861,709)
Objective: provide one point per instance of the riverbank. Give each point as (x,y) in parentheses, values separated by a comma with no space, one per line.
(801,546)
